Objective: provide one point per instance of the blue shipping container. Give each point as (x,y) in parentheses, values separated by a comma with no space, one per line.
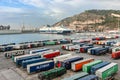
(31,61)
(98,51)
(19,61)
(67,63)
(98,66)
(86,48)
(40,50)
(89,77)
(42,66)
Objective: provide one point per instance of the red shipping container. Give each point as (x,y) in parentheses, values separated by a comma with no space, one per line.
(98,38)
(51,55)
(82,50)
(115,55)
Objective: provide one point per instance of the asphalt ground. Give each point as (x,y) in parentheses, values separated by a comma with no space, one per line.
(6,64)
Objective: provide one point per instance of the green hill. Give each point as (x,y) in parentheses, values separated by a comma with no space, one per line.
(91,19)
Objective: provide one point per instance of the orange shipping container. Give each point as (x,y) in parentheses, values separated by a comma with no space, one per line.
(76,66)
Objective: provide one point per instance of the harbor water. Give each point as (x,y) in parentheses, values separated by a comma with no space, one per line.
(18,38)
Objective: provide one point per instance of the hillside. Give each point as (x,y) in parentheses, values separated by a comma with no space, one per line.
(91,20)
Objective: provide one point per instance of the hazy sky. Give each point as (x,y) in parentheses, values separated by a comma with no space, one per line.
(41,12)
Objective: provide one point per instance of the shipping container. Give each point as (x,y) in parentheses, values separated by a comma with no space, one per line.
(14,53)
(61,57)
(108,71)
(98,66)
(67,46)
(32,61)
(99,51)
(76,66)
(51,55)
(73,47)
(59,62)
(21,56)
(89,77)
(6,48)
(19,61)
(50,43)
(115,49)
(109,43)
(38,50)
(87,67)
(85,48)
(64,41)
(115,55)
(76,76)
(67,63)
(41,66)
(89,50)
(51,74)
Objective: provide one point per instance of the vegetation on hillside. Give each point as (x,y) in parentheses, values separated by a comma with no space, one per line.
(109,21)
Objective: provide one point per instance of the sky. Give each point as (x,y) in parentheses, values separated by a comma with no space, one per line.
(36,13)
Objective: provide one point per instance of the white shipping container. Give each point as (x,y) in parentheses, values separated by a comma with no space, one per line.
(101,70)
(61,57)
(114,49)
(26,55)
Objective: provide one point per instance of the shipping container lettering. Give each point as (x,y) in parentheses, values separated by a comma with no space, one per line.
(42,66)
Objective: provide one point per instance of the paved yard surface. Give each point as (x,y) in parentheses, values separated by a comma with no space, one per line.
(8,70)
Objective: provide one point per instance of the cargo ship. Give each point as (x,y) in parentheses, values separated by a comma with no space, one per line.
(55,30)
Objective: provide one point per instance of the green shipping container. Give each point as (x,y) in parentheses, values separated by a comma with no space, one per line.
(49,75)
(87,67)
(76,76)
(106,72)
(50,43)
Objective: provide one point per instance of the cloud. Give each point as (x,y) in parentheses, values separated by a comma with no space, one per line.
(5,9)
(49,11)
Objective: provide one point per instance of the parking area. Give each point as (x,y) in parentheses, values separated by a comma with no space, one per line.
(8,66)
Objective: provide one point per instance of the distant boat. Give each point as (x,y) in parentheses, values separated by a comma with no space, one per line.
(55,30)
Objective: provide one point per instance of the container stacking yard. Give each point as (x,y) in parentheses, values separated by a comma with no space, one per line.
(58,61)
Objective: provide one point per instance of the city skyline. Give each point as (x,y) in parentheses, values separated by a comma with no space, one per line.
(36,13)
